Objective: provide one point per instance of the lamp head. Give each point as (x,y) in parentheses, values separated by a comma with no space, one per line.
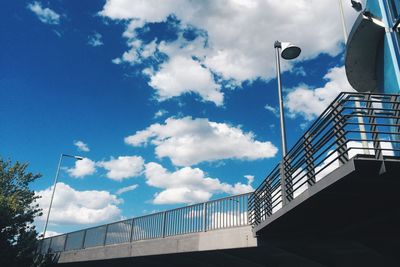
(356,5)
(290,51)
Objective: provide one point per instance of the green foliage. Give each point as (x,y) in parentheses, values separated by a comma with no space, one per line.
(18,208)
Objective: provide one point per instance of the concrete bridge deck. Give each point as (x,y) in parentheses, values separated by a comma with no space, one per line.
(232,238)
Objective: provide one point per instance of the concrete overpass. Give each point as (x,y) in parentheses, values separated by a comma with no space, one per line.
(332,201)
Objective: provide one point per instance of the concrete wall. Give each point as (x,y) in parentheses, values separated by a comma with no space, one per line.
(240,237)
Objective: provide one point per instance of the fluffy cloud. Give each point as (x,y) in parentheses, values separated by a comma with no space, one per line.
(309,103)
(95,40)
(190,141)
(81,146)
(71,206)
(184,75)
(188,185)
(123,167)
(236,40)
(126,189)
(82,168)
(45,15)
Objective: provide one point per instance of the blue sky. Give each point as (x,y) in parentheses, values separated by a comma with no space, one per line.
(173,102)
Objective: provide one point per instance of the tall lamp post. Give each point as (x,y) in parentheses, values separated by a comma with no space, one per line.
(54,187)
(287,51)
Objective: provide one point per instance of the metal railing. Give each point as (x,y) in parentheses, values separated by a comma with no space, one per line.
(212,215)
(354,124)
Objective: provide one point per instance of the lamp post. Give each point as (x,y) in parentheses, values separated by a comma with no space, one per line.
(54,187)
(286,51)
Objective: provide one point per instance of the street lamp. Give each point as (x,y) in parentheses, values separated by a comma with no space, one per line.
(54,187)
(288,51)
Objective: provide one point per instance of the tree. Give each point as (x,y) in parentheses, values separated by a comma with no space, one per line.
(18,208)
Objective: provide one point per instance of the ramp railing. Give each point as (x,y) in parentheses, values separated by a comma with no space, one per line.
(354,124)
(222,213)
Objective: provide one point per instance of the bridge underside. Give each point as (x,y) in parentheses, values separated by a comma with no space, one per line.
(266,255)
(349,218)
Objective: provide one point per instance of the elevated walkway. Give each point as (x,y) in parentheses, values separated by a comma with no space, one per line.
(333,201)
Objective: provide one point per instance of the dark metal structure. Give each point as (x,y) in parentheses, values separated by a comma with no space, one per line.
(330,142)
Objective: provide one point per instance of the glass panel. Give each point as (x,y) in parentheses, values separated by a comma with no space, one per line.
(95,236)
(74,240)
(57,243)
(119,232)
(45,245)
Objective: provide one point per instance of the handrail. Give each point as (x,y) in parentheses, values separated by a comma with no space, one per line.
(353,124)
(216,214)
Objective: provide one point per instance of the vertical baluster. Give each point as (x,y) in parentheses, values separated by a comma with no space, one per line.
(339,132)
(105,236)
(309,157)
(164,223)
(204,216)
(374,129)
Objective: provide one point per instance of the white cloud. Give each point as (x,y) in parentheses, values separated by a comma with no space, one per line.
(71,206)
(45,15)
(190,141)
(309,103)
(182,75)
(272,109)
(237,43)
(123,167)
(81,146)
(160,113)
(82,168)
(188,185)
(126,189)
(95,39)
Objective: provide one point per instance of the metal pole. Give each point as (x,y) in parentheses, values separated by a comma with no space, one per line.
(360,119)
(278,46)
(52,195)
(343,21)
(281,112)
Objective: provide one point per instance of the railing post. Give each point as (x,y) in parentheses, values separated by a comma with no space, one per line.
(309,157)
(339,132)
(65,242)
(164,219)
(105,236)
(282,183)
(268,197)
(132,229)
(49,249)
(286,181)
(374,129)
(205,217)
(361,126)
(83,239)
